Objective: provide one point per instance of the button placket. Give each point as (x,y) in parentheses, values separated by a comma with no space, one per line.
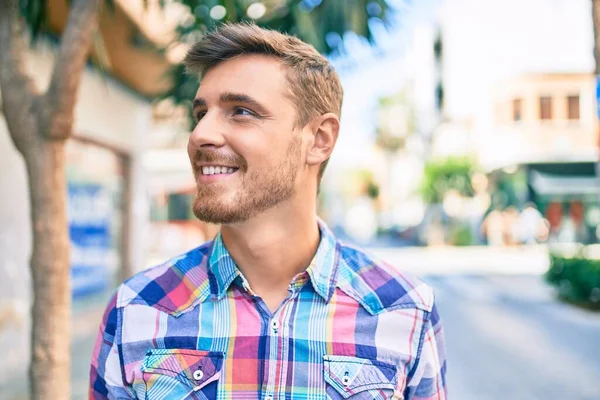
(275,327)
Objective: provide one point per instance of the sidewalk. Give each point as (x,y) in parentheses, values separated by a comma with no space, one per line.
(480,260)
(87,314)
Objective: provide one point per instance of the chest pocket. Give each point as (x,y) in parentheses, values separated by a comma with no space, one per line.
(181,374)
(359,378)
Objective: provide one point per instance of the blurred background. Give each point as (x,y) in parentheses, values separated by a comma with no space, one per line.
(468,155)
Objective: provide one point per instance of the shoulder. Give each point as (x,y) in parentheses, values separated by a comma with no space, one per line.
(174,286)
(379,286)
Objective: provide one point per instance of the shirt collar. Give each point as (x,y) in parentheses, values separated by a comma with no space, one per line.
(322,270)
(222,270)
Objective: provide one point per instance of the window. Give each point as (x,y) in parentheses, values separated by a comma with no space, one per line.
(517,110)
(545,107)
(573,107)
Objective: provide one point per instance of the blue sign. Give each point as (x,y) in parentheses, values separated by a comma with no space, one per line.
(598,95)
(90,210)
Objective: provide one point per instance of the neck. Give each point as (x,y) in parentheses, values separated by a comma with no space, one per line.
(273,247)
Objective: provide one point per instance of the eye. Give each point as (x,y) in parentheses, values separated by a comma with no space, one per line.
(199,115)
(244,112)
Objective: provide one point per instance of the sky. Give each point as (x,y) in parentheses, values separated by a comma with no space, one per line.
(370,72)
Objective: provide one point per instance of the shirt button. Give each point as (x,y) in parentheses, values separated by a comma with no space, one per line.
(346,380)
(275,326)
(198,374)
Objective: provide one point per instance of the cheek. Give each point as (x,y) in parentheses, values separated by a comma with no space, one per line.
(257,151)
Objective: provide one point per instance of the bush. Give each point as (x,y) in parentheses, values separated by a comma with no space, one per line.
(461,235)
(577,280)
(441,176)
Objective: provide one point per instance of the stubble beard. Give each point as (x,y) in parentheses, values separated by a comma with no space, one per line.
(258,191)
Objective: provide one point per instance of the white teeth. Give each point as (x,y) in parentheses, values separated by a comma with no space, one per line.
(217,170)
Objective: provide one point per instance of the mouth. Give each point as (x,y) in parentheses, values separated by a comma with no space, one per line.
(216,170)
(214,173)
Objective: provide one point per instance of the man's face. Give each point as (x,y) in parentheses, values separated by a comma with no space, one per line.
(244,150)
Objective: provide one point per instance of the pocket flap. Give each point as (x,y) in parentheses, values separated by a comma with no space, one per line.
(351,375)
(194,368)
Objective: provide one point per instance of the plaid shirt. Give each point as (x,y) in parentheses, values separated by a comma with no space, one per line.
(192,328)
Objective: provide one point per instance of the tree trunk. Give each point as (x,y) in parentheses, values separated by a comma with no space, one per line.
(39,126)
(50,266)
(127,269)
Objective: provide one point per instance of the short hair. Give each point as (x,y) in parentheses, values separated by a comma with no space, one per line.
(315,87)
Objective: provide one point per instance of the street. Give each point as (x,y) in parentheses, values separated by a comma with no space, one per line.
(507,336)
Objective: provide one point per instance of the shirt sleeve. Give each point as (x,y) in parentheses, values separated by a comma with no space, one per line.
(428,378)
(106,379)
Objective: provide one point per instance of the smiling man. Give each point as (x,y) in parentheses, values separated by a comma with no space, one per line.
(275,307)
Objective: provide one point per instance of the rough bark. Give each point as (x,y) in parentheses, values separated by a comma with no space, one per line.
(76,41)
(39,126)
(127,269)
(19,93)
(51,311)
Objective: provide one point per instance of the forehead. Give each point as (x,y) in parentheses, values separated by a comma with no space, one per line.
(261,77)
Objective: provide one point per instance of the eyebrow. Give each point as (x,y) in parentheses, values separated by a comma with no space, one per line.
(230,97)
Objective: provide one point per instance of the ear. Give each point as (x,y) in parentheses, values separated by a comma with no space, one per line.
(325,131)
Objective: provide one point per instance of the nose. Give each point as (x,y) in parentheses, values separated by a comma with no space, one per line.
(209,131)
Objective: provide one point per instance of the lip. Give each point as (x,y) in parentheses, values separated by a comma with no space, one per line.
(200,165)
(206,179)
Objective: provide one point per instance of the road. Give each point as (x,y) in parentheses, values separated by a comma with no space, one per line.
(507,337)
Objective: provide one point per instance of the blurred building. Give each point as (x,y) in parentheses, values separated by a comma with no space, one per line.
(543,149)
(515,89)
(115,125)
(481,45)
(542,117)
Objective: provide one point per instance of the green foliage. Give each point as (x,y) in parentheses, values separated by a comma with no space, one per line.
(452,173)
(461,235)
(372,190)
(577,279)
(389,142)
(35,13)
(319,22)
(367,180)
(310,20)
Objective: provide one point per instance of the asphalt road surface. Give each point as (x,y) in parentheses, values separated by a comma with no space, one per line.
(508,338)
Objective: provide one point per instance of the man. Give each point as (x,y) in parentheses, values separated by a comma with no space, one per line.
(275,307)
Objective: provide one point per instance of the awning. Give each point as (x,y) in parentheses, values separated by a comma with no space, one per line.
(547,184)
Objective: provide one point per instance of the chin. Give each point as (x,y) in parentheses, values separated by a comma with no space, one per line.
(219,213)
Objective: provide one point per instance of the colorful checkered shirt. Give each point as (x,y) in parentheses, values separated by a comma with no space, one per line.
(351,328)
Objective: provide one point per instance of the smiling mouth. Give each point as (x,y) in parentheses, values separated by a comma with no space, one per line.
(216,170)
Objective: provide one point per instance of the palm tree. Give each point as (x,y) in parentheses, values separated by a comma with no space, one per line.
(320,23)
(40,123)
